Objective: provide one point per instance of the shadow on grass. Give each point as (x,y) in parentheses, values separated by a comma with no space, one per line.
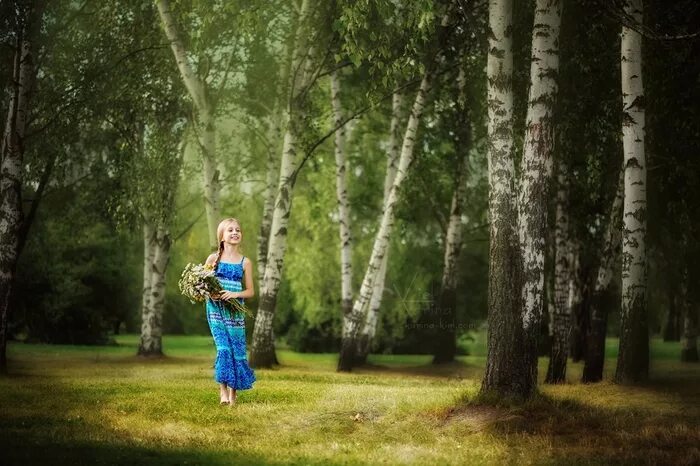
(18,449)
(580,433)
(453,370)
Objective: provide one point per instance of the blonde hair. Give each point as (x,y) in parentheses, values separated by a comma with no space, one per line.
(220,237)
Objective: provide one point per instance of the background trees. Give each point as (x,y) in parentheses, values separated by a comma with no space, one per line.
(107,163)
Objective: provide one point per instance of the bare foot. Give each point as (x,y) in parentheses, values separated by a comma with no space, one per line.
(224,396)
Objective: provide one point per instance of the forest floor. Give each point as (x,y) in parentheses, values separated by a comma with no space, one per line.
(101,405)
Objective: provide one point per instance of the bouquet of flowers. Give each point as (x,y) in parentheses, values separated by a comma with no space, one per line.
(198,282)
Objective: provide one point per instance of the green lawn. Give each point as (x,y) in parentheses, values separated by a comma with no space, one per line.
(88,405)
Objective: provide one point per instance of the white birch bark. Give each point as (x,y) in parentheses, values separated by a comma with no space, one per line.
(262,352)
(537,168)
(342,198)
(152,320)
(12,154)
(506,372)
(277,121)
(206,131)
(149,252)
(352,322)
(369,329)
(272,172)
(633,355)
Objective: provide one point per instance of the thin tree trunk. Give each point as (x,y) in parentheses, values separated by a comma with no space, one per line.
(353,321)
(342,198)
(506,373)
(689,340)
(561,324)
(609,254)
(278,120)
(149,252)
(672,331)
(579,319)
(369,330)
(536,173)
(446,344)
(206,132)
(269,205)
(262,352)
(152,319)
(633,355)
(12,154)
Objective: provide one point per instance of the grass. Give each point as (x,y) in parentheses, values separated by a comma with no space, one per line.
(87,405)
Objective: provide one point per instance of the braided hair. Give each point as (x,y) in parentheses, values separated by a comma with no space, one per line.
(220,236)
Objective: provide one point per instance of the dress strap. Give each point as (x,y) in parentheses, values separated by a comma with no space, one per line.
(242,260)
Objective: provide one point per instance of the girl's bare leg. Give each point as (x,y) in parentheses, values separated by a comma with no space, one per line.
(231,395)
(224,394)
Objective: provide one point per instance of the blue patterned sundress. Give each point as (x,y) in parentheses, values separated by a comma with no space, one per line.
(228,329)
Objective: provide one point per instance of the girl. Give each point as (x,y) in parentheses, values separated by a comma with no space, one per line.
(231,368)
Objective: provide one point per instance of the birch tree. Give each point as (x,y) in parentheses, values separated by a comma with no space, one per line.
(633,355)
(342,196)
(536,170)
(609,255)
(561,317)
(352,322)
(579,318)
(506,372)
(204,97)
(511,368)
(277,120)
(446,344)
(306,66)
(369,328)
(161,156)
(28,26)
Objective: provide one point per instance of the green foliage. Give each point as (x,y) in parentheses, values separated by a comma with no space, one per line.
(75,280)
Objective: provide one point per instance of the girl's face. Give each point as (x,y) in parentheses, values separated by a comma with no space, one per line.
(232,233)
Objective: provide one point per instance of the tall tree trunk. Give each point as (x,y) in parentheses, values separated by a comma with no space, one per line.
(262,352)
(633,356)
(12,155)
(689,341)
(369,329)
(506,373)
(206,134)
(352,322)
(342,197)
(609,254)
(269,203)
(277,120)
(536,173)
(206,121)
(152,319)
(149,253)
(579,318)
(561,324)
(446,344)
(672,330)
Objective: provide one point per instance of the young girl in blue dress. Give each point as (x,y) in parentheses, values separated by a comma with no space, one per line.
(231,368)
